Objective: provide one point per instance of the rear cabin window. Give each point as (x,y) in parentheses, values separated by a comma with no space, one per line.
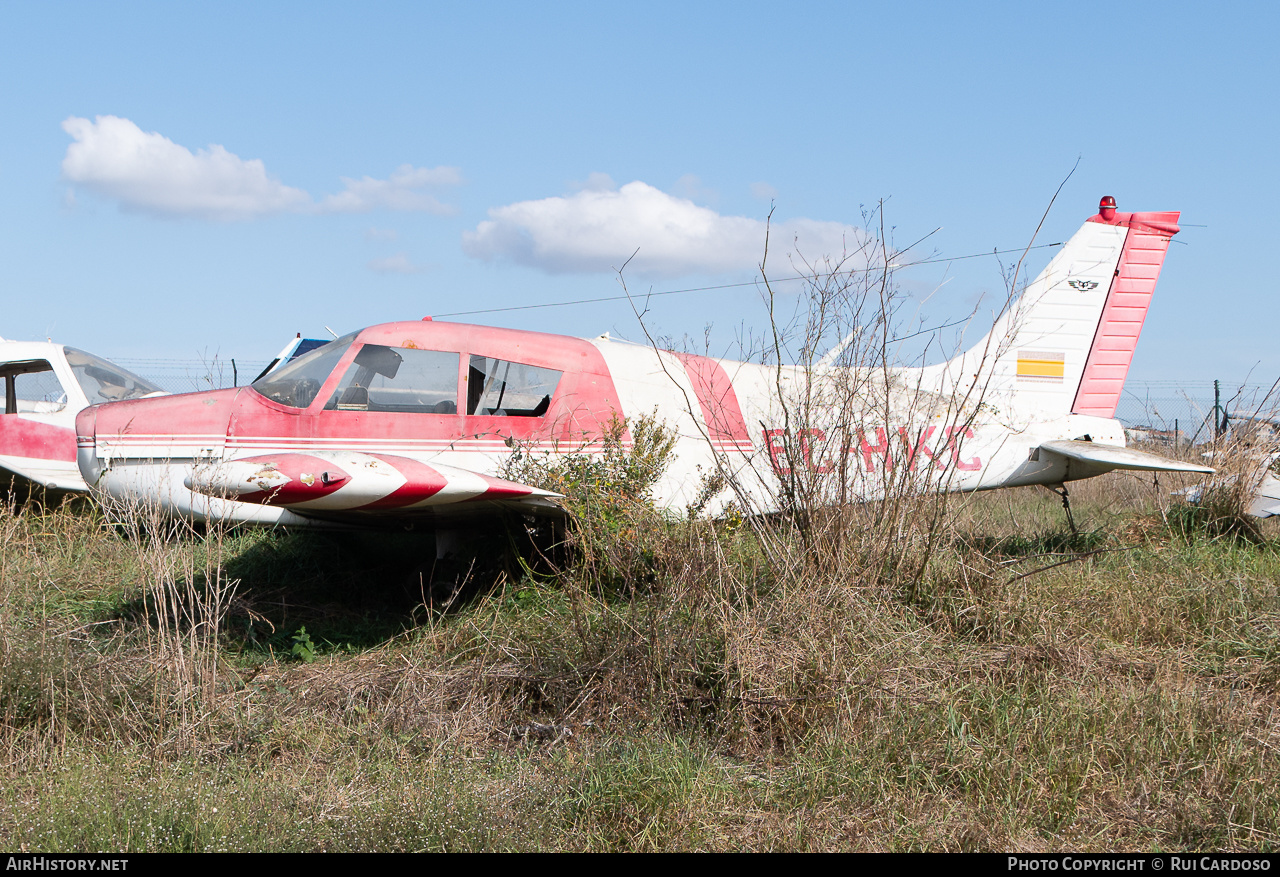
(32,388)
(509,389)
(403,380)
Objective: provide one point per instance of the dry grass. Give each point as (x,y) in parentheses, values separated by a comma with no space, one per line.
(1022,689)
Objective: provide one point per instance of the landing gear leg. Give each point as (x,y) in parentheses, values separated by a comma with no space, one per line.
(1061,490)
(437,580)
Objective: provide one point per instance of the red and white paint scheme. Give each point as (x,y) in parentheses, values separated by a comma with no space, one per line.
(44,387)
(416,419)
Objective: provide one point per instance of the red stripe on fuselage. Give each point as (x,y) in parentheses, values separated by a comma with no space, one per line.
(719,403)
(20,437)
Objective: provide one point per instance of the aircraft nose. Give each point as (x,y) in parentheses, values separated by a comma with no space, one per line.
(174,429)
(86,445)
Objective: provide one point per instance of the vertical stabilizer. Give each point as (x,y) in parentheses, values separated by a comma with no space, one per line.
(1125,310)
(1065,346)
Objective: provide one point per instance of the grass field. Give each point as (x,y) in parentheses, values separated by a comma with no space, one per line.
(990,681)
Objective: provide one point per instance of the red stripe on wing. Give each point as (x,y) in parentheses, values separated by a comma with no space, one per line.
(421,482)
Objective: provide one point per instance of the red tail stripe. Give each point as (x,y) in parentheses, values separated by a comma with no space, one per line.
(1124,312)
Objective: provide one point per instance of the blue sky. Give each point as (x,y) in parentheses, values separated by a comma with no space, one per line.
(312,165)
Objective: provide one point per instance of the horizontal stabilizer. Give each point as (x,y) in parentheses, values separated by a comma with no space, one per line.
(349,481)
(1087,459)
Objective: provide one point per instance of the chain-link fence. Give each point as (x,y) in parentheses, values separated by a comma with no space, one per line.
(1187,408)
(192,375)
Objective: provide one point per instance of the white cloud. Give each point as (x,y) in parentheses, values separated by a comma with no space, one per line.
(597,230)
(404,190)
(151,173)
(397,264)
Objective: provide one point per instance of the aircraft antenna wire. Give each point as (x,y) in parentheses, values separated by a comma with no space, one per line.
(816,276)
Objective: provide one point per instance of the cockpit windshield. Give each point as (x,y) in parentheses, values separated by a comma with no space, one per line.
(104,381)
(297,383)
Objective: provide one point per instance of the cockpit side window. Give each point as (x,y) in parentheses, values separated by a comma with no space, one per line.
(104,381)
(298,383)
(32,388)
(510,389)
(403,380)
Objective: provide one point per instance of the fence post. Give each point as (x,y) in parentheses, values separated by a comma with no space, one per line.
(1217,412)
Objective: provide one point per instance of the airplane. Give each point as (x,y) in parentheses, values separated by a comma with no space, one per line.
(1266,497)
(45,386)
(297,346)
(1260,433)
(1251,450)
(1262,489)
(411,423)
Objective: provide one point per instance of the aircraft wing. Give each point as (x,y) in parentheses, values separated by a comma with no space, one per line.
(356,487)
(1087,459)
(51,474)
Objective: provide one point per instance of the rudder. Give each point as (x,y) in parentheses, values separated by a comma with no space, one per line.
(1125,309)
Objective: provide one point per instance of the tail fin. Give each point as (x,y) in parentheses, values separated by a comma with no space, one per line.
(1066,345)
(1125,309)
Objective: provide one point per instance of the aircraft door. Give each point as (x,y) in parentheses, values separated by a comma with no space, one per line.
(34,417)
(395,399)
